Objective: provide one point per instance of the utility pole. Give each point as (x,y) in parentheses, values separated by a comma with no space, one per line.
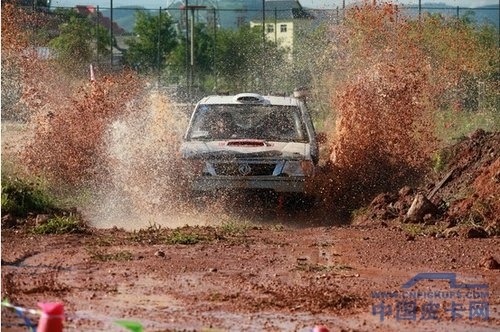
(158,53)
(111,32)
(419,9)
(97,35)
(214,57)
(263,44)
(190,70)
(264,22)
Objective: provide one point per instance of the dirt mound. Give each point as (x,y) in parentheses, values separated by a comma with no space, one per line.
(463,196)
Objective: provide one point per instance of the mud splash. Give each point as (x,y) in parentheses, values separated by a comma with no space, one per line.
(388,80)
(145,173)
(114,141)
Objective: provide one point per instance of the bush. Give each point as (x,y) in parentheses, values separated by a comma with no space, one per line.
(60,225)
(20,197)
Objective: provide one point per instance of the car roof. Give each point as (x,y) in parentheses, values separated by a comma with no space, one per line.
(249,99)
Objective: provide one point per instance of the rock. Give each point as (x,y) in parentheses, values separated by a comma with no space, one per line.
(490,263)
(383,199)
(410,237)
(8,221)
(450,232)
(160,253)
(405,191)
(451,223)
(493,229)
(476,232)
(420,207)
(41,219)
(429,219)
(478,133)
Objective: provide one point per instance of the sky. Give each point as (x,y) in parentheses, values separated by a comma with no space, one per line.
(320,4)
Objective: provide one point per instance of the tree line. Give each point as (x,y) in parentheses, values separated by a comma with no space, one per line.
(224,60)
(234,60)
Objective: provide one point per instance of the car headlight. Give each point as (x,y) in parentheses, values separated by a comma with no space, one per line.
(298,168)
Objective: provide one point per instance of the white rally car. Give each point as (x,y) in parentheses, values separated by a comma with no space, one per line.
(250,141)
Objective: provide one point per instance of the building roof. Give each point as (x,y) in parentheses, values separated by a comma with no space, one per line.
(285,10)
(234,13)
(103,21)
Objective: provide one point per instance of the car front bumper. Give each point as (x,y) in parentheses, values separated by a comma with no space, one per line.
(291,184)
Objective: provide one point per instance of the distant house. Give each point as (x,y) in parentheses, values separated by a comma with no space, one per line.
(118,31)
(102,20)
(281,19)
(232,14)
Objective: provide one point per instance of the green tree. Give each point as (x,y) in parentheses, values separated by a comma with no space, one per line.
(233,61)
(463,56)
(245,63)
(309,60)
(155,38)
(203,52)
(79,40)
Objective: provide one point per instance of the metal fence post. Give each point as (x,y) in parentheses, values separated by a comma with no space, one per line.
(111,32)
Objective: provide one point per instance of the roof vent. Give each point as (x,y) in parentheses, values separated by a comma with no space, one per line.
(250,98)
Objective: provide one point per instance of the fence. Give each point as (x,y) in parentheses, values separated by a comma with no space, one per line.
(123,17)
(234,17)
(119,22)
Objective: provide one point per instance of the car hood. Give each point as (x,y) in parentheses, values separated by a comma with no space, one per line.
(245,148)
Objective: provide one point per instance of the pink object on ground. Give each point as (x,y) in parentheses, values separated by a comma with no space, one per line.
(320,328)
(52,317)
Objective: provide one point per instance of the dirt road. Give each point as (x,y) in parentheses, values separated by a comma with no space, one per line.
(281,273)
(243,277)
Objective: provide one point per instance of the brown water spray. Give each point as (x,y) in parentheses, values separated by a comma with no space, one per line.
(383,132)
(118,139)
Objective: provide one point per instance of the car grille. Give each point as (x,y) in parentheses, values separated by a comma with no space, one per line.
(244,169)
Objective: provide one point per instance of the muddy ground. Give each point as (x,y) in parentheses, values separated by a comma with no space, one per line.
(268,278)
(288,273)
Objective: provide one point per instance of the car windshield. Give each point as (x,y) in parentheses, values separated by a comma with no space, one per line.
(269,122)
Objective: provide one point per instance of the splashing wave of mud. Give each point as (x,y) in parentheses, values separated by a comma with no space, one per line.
(120,140)
(144,167)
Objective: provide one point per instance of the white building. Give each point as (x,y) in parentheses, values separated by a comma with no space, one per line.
(281,18)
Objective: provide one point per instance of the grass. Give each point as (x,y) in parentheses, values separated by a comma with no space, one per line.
(188,235)
(22,196)
(153,234)
(60,225)
(423,230)
(277,227)
(453,125)
(440,160)
(310,267)
(104,241)
(234,228)
(184,236)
